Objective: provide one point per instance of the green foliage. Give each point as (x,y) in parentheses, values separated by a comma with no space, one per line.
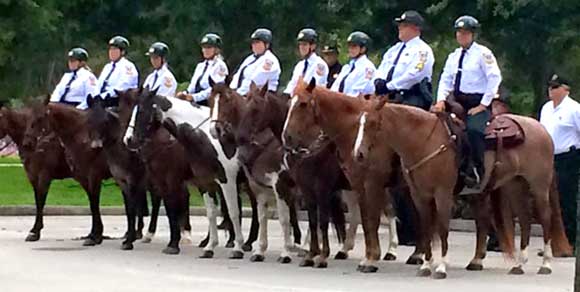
(531,39)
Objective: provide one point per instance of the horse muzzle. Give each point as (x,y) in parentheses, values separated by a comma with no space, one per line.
(97,143)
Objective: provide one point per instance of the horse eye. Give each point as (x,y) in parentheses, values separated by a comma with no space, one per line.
(303,104)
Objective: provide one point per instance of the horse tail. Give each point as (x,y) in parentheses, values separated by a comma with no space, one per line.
(504,223)
(337,216)
(560,244)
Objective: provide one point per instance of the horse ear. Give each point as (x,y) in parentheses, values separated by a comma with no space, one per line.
(253,87)
(46,99)
(210,81)
(311,85)
(90,100)
(118,92)
(264,90)
(382,101)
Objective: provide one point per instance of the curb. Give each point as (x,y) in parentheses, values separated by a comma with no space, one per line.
(460,225)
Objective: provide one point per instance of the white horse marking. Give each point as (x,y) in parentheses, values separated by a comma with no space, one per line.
(292,104)
(360,134)
(131,128)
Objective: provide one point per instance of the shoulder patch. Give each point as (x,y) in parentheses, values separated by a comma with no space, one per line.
(221,70)
(320,69)
(168,82)
(129,70)
(92,80)
(488,58)
(369,73)
(423,55)
(268,64)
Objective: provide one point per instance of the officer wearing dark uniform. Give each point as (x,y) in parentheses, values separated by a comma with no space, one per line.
(330,56)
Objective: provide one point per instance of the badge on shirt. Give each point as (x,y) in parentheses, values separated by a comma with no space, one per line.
(168,82)
(129,70)
(92,81)
(268,65)
(422,60)
(320,69)
(488,58)
(369,72)
(221,71)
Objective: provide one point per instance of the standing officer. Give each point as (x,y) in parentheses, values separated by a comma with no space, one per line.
(406,69)
(311,65)
(118,75)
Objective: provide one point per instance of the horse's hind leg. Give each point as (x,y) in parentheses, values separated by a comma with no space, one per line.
(254,225)
(211,213)
(391,254)
(424,211)
(155,206)
(172,209)
(541,196)
(443,204)
(41,184)
(231,195)
(350,199)
(93,189)
(185,222)
(482,225)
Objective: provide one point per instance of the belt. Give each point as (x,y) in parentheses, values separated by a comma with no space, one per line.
(73,103)
(571,153)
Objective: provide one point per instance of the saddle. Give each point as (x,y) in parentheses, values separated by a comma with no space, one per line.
(503,132)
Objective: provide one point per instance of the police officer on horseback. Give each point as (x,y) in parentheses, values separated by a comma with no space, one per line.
(311,65)
(212,66)
(356,77)
(406,69)
(261,67)
(119,74)
(78,83)
(472,76)
(161,79)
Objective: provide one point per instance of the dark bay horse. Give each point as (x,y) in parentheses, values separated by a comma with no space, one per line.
(88,166)
(314,108)
(43,161)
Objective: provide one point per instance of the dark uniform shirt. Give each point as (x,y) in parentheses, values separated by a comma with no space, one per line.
(333,73)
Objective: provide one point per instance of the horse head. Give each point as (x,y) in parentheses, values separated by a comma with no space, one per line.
(103,124)
(225,104)
(253,119)
(38,125)
(146,119)
(302,127)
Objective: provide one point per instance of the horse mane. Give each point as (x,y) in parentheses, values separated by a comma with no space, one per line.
(348,104)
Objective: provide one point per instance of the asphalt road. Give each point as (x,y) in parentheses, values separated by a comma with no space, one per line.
(59,263)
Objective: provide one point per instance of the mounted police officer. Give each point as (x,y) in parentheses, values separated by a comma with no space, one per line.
(212,66)
(161,78)
(330,56)
(406,69)
(356,77)
(311,65)
(472,76)
(120,74)
(261,67)
(75,85)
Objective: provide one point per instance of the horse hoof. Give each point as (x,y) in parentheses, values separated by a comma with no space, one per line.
(306,263)
(544,271)
(171,250)
(139,235)
(89,242)
(368,269)
(415,261)
(32,237)
(247,247)
(146,240)
(285,260)
(321,265)
(516,271)
(127,246)
(474,267)
(341,255)
(236,255)
(424,273)
(230,244)
(439,275)
(390,257)
(302,253)
(207,254)
(257,258)
(185,241)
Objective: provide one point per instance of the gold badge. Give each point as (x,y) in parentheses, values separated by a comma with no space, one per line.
(268,65)
(422,60)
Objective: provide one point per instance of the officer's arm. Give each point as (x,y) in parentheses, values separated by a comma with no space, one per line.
(415,72)
(321,80)
(383,69)
(168,87)
(58,90)
(493,75)
(364,82)
(576,117)
(191,86)
(263,74)
(294,80)
(446,80)
(90,88)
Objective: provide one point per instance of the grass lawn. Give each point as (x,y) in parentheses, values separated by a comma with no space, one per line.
(16,190)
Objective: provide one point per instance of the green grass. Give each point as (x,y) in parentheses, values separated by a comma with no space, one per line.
(16,190)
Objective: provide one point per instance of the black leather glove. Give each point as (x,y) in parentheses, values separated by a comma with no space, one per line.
(381,87)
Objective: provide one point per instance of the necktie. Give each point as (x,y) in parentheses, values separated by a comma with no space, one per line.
(198,83)
(103,88)
(67,88)
(155,79)
(392,70)
(458,75)
(341,85)
(305,67)
(241,78)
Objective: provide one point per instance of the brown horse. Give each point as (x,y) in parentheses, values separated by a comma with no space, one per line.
(88,166)
(314,108)
(43,161)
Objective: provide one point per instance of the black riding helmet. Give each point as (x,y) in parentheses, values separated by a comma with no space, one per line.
(79,54)
(262,34)
(467,22)
(158,49)
(119,42)
(359,38)
(211,39)
(308,35)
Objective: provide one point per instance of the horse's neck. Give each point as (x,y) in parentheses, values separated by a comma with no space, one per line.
(17,126)
(71,124)
(339,119)
(278,114)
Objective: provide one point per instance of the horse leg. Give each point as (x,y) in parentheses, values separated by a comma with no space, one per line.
(482,225)
(350,199)
(284,217)
(186,238)
(155,206)
(211,213)
(224,212)
(424,211)
(314,250)
(131,213)
(443,205)
(173,215)
(542,200)
(389,211)
(373,202)
(41,184)
(296,232)
(324,217)
(231,195)
(247,246)
(258,255)
(93,188)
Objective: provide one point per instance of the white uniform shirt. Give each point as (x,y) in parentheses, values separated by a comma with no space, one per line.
(480,74)
(317,69)
(84,83)
(562,123)
(165,82)
(216,69)
(415,63)
(360,80)
(266,69)
(124,76)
